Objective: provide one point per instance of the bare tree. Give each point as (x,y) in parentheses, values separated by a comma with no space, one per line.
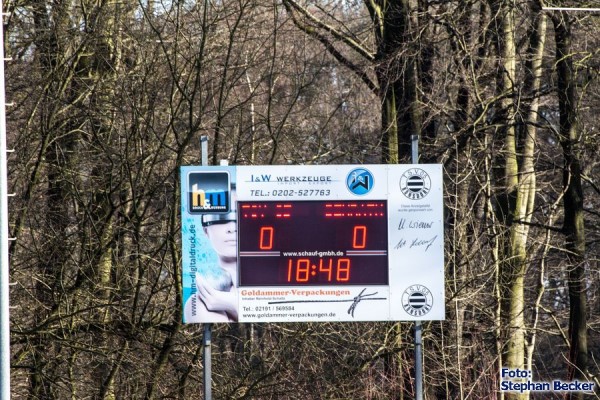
(111,98)
(574,222)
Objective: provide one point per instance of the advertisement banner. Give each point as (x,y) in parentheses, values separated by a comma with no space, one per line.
(312,243)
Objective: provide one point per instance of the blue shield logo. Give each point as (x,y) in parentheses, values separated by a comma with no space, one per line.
(360,181)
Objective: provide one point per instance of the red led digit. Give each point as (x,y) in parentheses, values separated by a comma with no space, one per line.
(327,269)
(290,267)
(302,270)
(359,237)
(343,270)
(265,241)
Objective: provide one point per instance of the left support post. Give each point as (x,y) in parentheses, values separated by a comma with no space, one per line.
(207,337)
(207,355)
(4,238)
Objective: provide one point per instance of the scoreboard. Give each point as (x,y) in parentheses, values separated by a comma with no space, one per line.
(346,242)
(312,243)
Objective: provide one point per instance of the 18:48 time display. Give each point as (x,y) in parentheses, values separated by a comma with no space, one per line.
(301,269)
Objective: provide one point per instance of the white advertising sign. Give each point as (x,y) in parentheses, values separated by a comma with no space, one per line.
(312,243)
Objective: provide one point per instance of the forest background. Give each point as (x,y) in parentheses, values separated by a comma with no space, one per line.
(110,97)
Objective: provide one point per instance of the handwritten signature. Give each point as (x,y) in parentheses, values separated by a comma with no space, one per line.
(355,300)
(418,242)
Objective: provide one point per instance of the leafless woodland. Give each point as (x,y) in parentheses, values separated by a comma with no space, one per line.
(110,97)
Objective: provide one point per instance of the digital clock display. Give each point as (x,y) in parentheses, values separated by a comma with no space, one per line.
(294,243)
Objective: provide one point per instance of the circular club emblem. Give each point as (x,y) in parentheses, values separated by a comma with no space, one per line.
(417,300)
(360,181)
(415,184)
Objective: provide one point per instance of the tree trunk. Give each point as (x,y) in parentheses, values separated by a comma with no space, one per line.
(533,78)
(396,70)
(574,226)
(517,192)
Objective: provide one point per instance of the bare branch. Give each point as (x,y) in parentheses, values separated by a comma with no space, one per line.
(334,32)
(311,31)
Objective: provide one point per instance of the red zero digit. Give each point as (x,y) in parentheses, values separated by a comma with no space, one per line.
(343,270)
(359,237)
(266,238)
(302,270)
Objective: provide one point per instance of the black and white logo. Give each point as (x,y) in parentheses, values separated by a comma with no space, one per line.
(417,300)
(415,184)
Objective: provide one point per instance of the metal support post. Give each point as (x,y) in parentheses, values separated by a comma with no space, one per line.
(414,146)
(418,362)
(207,337)
(204,150)
(4,268)
(418,328)
(207,362)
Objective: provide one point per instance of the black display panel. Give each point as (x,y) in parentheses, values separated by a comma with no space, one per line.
(321,243)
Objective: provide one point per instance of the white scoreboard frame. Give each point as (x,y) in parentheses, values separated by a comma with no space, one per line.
(414,194)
